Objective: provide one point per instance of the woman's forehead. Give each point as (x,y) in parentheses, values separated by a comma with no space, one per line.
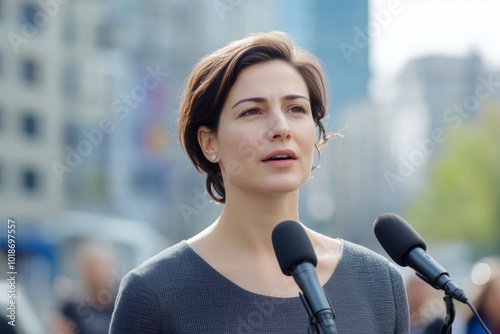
(273,77)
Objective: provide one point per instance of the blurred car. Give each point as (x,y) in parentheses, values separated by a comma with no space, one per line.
(46,252)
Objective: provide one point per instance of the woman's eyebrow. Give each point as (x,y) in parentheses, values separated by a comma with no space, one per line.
(250,99)
(262,99)
(294,96)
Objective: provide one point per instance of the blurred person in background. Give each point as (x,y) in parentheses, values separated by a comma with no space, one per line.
(250,118)
(426,308)
(89,312)
(487,302)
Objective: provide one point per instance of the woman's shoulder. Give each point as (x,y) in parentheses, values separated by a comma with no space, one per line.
(168,264)
(141,301)
(369,272)
(360,256)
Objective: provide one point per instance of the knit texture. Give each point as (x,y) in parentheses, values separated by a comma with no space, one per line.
(176,291)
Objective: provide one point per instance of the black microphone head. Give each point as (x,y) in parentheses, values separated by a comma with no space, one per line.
(397,237)
(292,246)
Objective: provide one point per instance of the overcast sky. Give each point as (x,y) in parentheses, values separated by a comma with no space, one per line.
(423,27)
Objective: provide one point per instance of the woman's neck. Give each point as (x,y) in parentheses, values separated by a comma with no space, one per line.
(247,220)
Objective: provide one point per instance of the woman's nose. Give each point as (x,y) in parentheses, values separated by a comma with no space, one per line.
(279,127)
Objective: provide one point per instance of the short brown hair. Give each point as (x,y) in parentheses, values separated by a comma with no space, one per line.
(212,78)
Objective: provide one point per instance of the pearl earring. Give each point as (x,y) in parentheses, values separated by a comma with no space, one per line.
(213,157)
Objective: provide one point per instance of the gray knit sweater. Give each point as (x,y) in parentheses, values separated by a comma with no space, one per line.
(176,291)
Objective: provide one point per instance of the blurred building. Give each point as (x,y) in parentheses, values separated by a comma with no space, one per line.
(384,159)
(433,96)
(32,110)
(338,26)
(444,84)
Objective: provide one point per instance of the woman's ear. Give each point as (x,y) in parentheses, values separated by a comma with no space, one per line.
(208,143)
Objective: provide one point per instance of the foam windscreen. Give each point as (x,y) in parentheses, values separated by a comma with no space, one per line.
(397,237)
(292,246)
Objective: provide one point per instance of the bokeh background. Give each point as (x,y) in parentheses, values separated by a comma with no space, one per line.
(89,92)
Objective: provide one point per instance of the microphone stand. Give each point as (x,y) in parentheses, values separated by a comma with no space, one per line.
(450,308)
(314,327)
(450,314)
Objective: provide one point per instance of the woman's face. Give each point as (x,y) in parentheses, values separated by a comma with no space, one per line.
(266,134)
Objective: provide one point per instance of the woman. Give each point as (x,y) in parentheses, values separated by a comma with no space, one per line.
(248,119)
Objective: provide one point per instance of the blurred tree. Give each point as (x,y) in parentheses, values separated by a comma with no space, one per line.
(461,198)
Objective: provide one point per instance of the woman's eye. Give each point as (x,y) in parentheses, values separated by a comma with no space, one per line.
(250,112)
(297,109)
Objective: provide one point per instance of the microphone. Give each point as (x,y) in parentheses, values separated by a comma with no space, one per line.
(297,258)
(405,246)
